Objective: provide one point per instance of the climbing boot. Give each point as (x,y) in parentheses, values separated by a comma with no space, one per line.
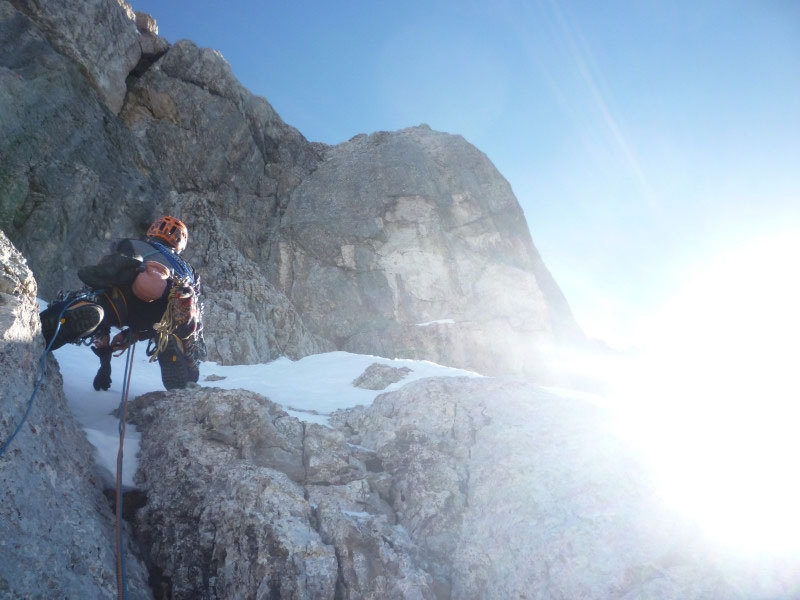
(177,368)
(77,322)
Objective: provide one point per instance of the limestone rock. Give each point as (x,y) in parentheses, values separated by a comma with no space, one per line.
(396,230)
(99,35)
(145,23)
(376,558)
(513,493)
(454,488)
(378,376)
(220,523)
(302,247)
(153,46)
(231,160)
(247,319)
(72,178)
(227,475)
(56,529)
(55,198)
(207,131)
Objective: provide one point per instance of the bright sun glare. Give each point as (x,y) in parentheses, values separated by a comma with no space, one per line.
(715,407)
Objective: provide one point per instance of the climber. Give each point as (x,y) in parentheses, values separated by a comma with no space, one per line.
(144,288)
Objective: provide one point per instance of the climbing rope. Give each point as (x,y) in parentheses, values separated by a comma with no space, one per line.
(43,363)
(165,326)
(170,321)
(179,266)
(122,587)
(122,583)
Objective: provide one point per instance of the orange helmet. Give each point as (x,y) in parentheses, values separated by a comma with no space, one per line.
(170,230)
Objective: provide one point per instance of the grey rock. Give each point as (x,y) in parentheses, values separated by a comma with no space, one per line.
(54,196)
(376,558)
(231,159)
(303,248)
(145,23)
(219,522)
(67,165)
(99,35)
(378,376)
(405,243)
(446,488)
(244,501)
(412,244)
(247,319)
(57,535)
(511,493)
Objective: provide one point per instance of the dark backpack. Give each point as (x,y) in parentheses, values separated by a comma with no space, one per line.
(112,270)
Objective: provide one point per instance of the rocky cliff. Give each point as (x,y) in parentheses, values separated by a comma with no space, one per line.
(449,488)
(406,243)
(455,488)
(302,247)
(56,527)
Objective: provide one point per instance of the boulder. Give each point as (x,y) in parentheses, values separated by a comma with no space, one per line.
(245,501)
(378,376)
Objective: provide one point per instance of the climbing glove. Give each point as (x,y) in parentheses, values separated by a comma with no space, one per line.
(102,381)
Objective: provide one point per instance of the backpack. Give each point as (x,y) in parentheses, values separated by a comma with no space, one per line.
(112,270)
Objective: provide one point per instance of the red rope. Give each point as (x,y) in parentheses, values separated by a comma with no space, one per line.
(123,415)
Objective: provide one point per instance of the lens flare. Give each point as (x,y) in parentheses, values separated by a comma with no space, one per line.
(713,403)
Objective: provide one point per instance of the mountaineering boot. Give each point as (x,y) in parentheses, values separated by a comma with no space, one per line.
(78,321)
(177,369)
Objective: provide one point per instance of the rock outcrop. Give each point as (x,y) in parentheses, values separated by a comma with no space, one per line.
(449,488)
(452,488)
(56,528)
(302,247)
(99,35)
(412,244)
(63,202)
(403,243)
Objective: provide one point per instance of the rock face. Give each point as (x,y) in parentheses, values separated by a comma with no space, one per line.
(248,502)
(63,202)
(229,159)
(451,488)
(302,247)
(56,528)
(100,35)
(71,175)
(406,243)
(414,227)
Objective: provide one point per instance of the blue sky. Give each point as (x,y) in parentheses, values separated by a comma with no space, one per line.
(641,137)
